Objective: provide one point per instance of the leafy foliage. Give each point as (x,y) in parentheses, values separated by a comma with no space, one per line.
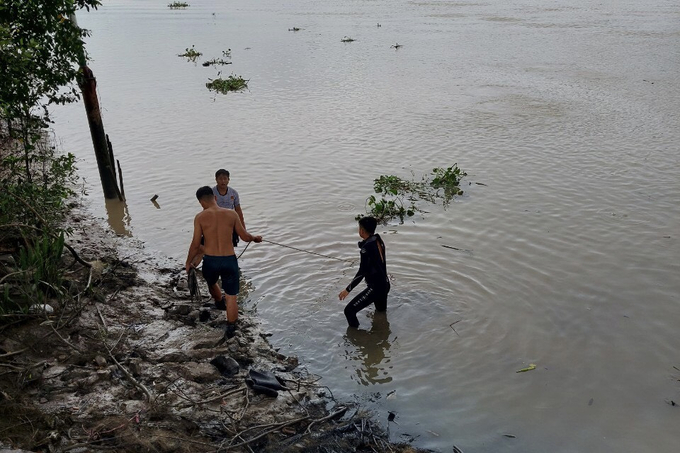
(31,223)
(190,54)
(41,50)
(448,179)
(231,83)
(398,197)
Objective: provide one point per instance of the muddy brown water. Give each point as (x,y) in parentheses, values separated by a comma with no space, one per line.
(566,111)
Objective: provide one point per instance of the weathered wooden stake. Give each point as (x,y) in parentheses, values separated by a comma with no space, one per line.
(107,172)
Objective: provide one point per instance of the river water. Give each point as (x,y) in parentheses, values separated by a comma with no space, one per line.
(565,115)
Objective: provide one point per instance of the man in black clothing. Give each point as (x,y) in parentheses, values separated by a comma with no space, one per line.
(373,268)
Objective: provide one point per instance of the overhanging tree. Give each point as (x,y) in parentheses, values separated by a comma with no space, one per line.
(42,61)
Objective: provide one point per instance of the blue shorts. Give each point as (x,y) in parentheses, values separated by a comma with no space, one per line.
(225,267)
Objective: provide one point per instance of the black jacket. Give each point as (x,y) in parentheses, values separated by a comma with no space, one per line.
(373,265)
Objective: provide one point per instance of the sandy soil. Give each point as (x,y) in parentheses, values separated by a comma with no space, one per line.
(132,363)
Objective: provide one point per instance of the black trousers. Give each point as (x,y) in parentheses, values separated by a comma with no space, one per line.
(364,299)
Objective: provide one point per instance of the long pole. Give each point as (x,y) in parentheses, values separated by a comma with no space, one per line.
(104,155)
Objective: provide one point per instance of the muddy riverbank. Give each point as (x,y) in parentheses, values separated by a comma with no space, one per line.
(136,365)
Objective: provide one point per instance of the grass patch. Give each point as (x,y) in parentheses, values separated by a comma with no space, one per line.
(231,83)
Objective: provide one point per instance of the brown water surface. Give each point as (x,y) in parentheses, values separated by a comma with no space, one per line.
(566,111)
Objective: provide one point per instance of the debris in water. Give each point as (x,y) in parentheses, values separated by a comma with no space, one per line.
(451,326)
(531,367)
(510,436)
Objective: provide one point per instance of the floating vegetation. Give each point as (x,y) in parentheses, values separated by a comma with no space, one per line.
(178,5)
(347,39)
(448,179)
(384,210)
(397,197)
(219,61)
(231,83)
(190,54)
(294,29)
(215,62)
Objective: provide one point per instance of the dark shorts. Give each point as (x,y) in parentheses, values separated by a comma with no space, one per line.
(225,267)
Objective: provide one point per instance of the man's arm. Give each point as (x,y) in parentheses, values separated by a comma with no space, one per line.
(361,273)
(243,234)
(240,214)
(195,247)
(358,277)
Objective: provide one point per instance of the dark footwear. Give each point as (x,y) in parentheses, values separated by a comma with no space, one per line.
(230,331)
(204,316)
(266,379)
(222,304)
(262,389)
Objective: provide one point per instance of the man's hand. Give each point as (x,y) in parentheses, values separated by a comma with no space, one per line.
(257,239)
(188,267)
(343,294)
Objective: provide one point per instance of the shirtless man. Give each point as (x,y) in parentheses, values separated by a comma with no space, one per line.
(216,226)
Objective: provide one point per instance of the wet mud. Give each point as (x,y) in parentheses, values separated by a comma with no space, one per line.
(132,363)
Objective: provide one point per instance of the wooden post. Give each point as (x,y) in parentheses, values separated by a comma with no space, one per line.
(103,150)
(107,172)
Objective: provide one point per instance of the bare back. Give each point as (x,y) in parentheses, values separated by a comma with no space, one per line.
(217,225)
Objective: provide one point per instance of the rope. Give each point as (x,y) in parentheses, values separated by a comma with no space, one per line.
(307,251)
(244,250)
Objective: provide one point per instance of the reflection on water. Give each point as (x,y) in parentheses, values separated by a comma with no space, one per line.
(371,350)
(118,217)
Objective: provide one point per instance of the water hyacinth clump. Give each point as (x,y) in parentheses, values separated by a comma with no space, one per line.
(190,54)
(231,83)
(398,198)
